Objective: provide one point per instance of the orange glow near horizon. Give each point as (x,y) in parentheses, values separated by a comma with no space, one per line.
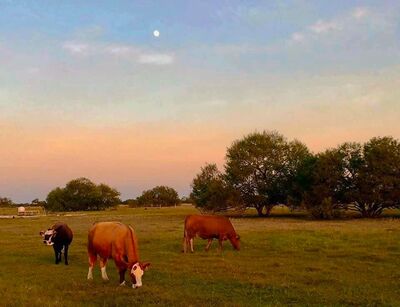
(129,158)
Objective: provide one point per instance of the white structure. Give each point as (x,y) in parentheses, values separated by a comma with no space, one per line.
(21,210)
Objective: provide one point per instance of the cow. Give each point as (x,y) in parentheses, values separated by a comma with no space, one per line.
(114,240)
(60,237)
(209,227)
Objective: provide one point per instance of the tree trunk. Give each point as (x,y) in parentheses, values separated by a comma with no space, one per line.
(371,210)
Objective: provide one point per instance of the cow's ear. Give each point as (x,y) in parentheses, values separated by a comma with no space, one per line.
(41,233)
(145,266)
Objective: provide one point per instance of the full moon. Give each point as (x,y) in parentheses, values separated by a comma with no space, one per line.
(156,33)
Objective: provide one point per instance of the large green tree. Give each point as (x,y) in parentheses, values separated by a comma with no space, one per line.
(376,184)
(82,194)
(6,202)
(262,166)
(211,192)
(159,196)
(364,178)
(330,178)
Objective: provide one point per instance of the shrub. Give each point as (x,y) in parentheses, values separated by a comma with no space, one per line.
(82,194)
(160,196)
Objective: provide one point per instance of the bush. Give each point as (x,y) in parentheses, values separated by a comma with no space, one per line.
(325,210)
(160,196)
(82,194)
(325,194)
(6,202)
(210,191)
(132,203)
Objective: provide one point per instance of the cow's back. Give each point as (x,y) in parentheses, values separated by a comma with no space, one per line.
(64,233)
(105,236)
(208,225)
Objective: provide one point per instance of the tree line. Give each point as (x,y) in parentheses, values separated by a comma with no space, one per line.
(264,169)
(82,194)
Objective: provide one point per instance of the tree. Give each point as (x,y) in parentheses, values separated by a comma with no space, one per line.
(186,200)
(159,196)
(82,194)
(376,184)
(323,197)
(211,192)
(109,197)
(55,200)
(37,202)
(6,202)
(262,166)
(130,202)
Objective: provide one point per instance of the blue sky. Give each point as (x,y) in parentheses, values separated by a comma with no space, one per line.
(83,79)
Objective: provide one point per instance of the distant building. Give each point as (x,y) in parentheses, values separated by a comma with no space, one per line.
(21,210)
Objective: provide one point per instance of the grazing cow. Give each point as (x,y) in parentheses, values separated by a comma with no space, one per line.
(60,237)
(209,227)
(113,240)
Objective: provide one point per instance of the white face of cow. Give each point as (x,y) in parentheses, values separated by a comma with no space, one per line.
(136,274)
(48,235)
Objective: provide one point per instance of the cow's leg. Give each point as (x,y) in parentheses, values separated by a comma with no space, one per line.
(191,244)
(187,241)
(56,251)
(208,244)
(65,254)
(184,245)
(122,276)
(103,263)
(92,262)
(121,269)
(220,240)
(59,249)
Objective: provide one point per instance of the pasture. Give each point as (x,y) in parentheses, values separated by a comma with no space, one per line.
(284,261)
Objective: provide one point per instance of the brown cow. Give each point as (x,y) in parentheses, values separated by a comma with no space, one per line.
(209,227)
(113,240)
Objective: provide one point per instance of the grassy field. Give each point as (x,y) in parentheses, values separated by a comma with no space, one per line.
(283,261)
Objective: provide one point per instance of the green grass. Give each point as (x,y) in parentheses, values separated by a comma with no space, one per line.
(283,261)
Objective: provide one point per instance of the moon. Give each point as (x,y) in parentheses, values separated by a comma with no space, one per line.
(156,33)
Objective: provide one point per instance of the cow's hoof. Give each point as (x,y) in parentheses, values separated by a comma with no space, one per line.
(122,283)
(66,263)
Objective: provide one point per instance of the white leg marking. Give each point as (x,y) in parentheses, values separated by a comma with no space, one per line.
(104,273)
(191,245)
(90,273)
(122,283)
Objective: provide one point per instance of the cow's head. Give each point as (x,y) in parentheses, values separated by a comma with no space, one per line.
(235,240)
(48,236)
(137,272)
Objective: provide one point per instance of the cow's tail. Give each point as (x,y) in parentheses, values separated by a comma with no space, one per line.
(185,237)
(90,240)
(135,247)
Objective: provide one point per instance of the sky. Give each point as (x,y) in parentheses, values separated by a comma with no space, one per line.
(87,90)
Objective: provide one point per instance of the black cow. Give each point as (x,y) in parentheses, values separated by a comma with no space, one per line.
(60,237)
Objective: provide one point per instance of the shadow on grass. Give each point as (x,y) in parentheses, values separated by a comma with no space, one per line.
(302,215)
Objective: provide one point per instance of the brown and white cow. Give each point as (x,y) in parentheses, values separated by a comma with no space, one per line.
(114,240)
(209,227)
(60,237)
